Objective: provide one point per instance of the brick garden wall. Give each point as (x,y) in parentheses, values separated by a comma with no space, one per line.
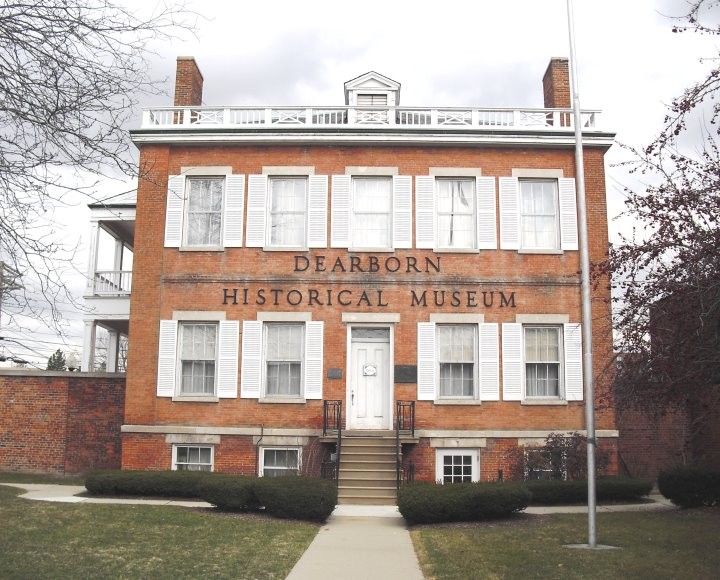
(60,423)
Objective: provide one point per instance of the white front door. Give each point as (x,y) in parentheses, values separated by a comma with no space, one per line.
(369,380)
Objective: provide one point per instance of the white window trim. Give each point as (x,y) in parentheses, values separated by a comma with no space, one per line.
(261,462)
(268,247)
(199,397)
(476,375)
(557,249)
(547,399)
(353,213)
(268,398)
(441,453)
(175,449)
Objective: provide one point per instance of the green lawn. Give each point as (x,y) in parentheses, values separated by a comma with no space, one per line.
(52,540)
(673,544)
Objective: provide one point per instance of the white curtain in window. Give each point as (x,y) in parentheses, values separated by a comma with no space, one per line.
(542,362)
(204,211)
(372,203)
(538,209)
(456,213)
(198,348)
(456,357)
(284,359)
(287,211)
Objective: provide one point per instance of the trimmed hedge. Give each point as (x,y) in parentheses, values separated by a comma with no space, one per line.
(298,498)
(555,492)
(428,503)
(690,486)
(302,498)
(148,483)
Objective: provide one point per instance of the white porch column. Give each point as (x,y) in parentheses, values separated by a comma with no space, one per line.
(92,260)
(112,351)
(88,354)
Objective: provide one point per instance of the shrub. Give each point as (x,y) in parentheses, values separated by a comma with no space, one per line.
(424,503)
(554,492)
(149,483)
(690,486)
(232,493)
(299,498)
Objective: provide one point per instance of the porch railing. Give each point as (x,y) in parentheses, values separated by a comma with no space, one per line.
(332,424)
(112,282)
(405,424)
(447,118)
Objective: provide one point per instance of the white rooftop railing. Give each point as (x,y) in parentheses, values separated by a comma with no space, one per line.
(413,118)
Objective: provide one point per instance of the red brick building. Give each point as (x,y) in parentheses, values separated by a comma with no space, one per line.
(413,261)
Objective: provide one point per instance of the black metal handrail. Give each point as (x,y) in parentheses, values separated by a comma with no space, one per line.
(404,422)
(332,423)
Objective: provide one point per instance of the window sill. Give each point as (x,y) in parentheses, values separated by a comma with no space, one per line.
(380,250)
(286,249)
(456,250)
(201,249)
(458,402)
(540,402)
(195,399)
(540,251)
(282,400)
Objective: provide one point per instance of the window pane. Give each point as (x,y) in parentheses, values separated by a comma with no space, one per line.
(193,458)
(287,211)
(456,359)
(457,468)
(204,211)
(279,462)
(197,358)
(456,213)
(542,362)
(538,219)
(372,209)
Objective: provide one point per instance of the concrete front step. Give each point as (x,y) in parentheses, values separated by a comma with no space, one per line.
(346,492)
(366,464)
(360,500)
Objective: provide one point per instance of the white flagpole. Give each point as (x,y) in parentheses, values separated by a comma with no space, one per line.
(585,278)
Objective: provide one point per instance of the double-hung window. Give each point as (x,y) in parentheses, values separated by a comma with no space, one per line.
(457,353)
(204,212)
(203,225)
(198,352)
(538,214)
(372,212)
(455,213)
(539,227)
(542,363)
(192,458)
(283,359)
(280,461)
(458,361)
(287,211)
(198,359)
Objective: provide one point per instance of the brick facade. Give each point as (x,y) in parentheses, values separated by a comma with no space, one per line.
(399,288)
(60,423)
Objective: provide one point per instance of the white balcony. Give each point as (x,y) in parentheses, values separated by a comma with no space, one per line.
(112,283)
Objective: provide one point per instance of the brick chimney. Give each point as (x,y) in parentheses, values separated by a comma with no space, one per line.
(556,84)
(188,83)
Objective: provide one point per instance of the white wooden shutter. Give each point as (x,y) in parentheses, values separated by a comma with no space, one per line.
(489,362)
(568,214)
(512,363)
(174,210)
(509,213)
(256,211)
(313,360)
(317,211)
(426,361)
(573,362)
(228,343)
(234,206)
(340,212)
(486,219)
(251,371)
(167,358)
(402,211)
(425,212)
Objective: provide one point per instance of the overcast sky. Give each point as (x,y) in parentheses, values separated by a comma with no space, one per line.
(450,53)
